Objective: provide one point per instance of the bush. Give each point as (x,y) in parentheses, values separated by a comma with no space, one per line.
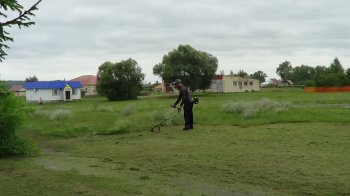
(254,108)
(309,83)
(11,117)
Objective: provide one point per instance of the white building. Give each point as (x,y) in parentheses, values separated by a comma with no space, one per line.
(227,84)
(52,91)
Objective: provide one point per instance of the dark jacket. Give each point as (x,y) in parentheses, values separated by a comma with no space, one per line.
(184,96)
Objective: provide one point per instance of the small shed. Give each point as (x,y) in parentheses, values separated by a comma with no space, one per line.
(53,91)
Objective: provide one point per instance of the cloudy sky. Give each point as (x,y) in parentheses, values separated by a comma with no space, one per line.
(74,37)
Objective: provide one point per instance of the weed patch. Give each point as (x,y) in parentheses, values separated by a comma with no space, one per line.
(128,110)
(60,114)
(248,109)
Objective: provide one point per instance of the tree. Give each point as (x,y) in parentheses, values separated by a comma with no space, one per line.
(284,70)
(320,77)
(11,108)
(336,67)
(120,80)
(334,75)
(195,68)
(22,20)
(303,73)
(242,73)
(259,75)
(12,111)
(31,79)
(347,77)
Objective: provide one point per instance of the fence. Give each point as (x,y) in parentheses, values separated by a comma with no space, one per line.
(327,89)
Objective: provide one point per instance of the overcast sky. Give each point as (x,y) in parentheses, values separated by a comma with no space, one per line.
(74,37)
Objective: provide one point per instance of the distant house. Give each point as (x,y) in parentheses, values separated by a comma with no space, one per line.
(159,88)
(287,83)
(227,83)
(89,83)
(274,82)
(53,91)
(18,90)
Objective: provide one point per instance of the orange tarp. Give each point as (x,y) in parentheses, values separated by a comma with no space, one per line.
(327,89)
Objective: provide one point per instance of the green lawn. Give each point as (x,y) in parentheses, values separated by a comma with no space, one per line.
(95,147)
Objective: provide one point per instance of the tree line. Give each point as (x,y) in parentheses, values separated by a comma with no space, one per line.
(319,76)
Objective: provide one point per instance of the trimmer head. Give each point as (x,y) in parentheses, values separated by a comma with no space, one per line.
(166,119)
(152,130)
(195,100)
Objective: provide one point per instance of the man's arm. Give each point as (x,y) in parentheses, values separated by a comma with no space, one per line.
(178,98)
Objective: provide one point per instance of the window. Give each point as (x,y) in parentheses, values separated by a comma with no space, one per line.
(245,83)
(74,92)
(234,83)
(54,92)
(251,83)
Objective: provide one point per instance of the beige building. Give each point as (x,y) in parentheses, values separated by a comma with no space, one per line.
(89,83)
(227,84)
(159,88)
(18,90)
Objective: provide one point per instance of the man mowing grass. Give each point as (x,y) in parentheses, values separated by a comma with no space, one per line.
(186,102)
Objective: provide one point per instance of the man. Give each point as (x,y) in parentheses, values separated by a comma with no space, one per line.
(186,102)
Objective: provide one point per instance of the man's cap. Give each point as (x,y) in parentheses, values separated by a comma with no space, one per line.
(177,81)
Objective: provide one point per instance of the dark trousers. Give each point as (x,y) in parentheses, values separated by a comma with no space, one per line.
(188,115)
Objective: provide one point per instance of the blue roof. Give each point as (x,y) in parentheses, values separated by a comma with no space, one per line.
(51,85)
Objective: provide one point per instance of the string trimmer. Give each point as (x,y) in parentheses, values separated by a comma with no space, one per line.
(178,110)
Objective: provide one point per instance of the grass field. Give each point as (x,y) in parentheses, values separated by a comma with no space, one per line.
(279,143)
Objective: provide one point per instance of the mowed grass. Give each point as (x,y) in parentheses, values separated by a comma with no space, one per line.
(95,147)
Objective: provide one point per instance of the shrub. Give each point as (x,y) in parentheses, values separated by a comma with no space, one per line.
(11,117)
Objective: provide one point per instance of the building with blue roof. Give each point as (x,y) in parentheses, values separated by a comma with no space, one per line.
(53,91)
